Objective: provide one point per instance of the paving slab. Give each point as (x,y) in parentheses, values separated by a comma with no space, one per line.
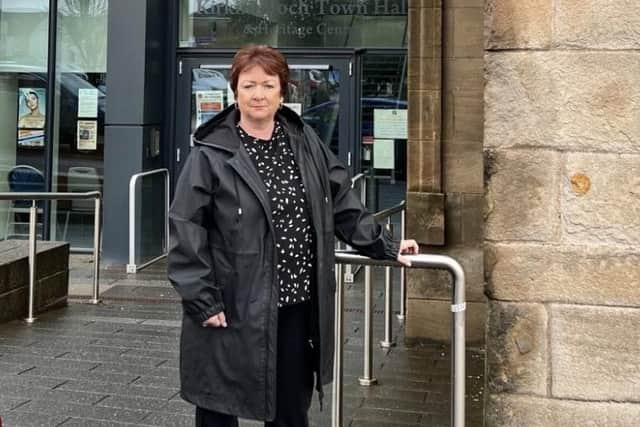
(116,364)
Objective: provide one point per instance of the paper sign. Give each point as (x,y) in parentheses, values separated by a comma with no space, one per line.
(30,138)
(295,106)
(88,103)
(87,134)
(383,154)
(208,104)
(389,124)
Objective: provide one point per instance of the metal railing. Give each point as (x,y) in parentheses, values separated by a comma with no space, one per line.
(458,307)
(349,270)
(387,214)
(97,196)
(132,267)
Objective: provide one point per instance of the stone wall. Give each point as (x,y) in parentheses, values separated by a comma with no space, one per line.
(562,208)
(445,161)
(51,286)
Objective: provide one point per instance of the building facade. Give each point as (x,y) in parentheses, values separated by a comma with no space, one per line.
(498,121)
(562,145)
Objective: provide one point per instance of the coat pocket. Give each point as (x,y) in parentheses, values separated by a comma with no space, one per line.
(239,274)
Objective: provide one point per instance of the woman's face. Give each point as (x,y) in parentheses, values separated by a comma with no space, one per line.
(32,101)
(258,94)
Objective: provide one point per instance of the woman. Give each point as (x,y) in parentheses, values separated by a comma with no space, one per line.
(253,221)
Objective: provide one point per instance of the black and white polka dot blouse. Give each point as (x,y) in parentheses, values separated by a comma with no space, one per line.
(276,165)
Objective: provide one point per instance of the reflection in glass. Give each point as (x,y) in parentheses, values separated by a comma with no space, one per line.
(150,211)
(312,92)
(24,30)
(78,162)
(384,87)
(317,92)
(293,23)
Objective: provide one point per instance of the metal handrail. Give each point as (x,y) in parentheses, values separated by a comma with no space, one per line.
(385,213)
(132,267)
(356,179)
(458,307)
(97,196)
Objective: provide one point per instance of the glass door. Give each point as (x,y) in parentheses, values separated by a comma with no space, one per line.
(320,90)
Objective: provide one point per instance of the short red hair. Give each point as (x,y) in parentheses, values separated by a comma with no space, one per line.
(269,59)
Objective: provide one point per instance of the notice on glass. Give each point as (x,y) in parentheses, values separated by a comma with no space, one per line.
(389,124)
(383,154)
(87,134)
(88,103)
(295,106)
(30,138)
(208,104)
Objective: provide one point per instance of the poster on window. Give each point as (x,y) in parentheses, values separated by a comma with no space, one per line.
(208,104)
(88,103)
(389,124)
(31,116)
(87,134)
(383,153)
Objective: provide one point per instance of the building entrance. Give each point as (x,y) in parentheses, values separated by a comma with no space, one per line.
(321,91)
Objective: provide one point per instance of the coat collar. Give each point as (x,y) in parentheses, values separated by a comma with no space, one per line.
(220,132)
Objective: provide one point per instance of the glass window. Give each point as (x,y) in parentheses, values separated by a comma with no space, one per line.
(293,23)
(24,26)
(384,128)
(78,155)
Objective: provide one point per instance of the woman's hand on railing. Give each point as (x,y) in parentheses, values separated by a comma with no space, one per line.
(409,247)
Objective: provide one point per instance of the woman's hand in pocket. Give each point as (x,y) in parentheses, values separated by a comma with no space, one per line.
(216,321)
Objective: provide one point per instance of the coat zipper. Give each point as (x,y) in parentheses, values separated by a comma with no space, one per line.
(238,163)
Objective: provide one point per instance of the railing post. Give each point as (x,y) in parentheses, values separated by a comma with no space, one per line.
(336,407)
(96,251)
(367,379)
(388,301)
(33,221)
(131,266)
(403,277)
(458,308)
(458,375)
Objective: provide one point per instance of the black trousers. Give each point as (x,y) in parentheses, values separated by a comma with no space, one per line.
(294,377)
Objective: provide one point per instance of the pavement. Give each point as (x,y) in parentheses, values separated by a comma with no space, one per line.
(116,363)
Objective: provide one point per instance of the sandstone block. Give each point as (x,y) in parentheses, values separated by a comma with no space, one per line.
(424,3)
(601,202)
(505,410)
(511,24)
(424,74)
(468,32)
(464,3)
(566,100)
(522,195)
(463,217)
(424,115)
(580,274)
(464,74)
(425,32)
(431,319)
(595,352)
(438,284)
(424,166)
(517,359)
(425,217)
(597,24)
(463,167)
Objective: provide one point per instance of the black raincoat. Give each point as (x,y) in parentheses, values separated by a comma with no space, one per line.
(223,258)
